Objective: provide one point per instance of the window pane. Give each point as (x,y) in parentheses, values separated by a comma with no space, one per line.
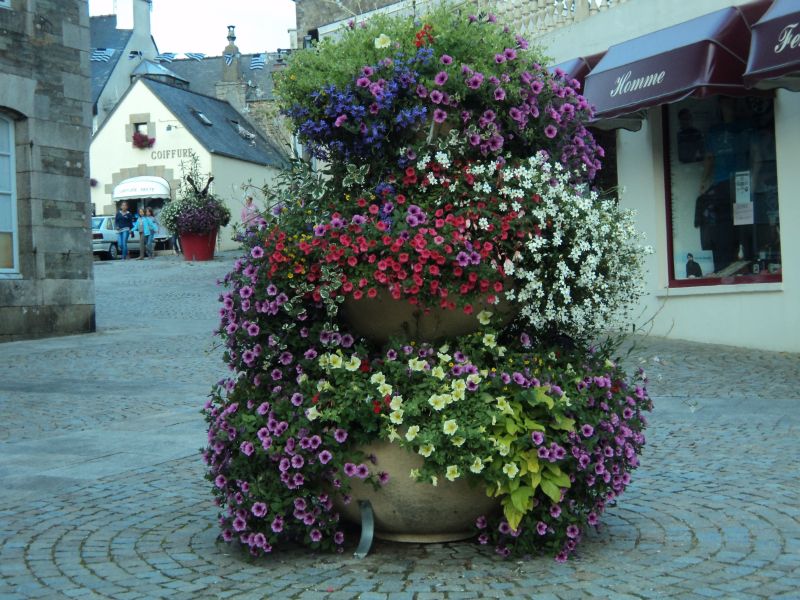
(6,251)
(6,213)
(5,136)
(5,173)
(724,194)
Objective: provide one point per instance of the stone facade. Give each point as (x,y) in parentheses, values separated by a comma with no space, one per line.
(45,100)
(312,14)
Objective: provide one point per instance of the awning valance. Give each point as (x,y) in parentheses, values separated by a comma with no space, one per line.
(774,59)
(142,187)
(704,56)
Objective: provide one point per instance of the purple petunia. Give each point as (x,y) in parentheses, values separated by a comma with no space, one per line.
(587,430)
(550,131)
(349,469)
(439,115)
(315,535)
(537,437)
(362,471)
(277,524)
(573,531)
(436,96)
(441,78)
(325,457)
(541,528)
(446,59)
(259,509)
(247,448)
(340,435)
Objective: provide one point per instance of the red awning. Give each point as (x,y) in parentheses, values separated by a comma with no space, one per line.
(775,49)
(701,57)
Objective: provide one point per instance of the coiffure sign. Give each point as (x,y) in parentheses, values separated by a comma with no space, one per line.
(624,84)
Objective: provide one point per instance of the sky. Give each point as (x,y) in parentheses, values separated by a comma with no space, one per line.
(202,25)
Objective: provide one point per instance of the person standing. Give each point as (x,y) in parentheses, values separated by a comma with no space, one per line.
(123,223)
(152,224)
(249,212)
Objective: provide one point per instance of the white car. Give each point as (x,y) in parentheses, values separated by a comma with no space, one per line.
(105,237)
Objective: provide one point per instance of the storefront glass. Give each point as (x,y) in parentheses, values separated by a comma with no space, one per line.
(723,192)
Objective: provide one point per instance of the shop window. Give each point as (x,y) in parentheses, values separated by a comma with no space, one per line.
(606,180)
(8,200)
(722,207)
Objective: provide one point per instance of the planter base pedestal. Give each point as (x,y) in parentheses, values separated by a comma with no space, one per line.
(198,246)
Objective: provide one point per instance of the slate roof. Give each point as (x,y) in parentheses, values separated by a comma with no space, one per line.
(103,33)
(203,75)
(222,136)
(157,70)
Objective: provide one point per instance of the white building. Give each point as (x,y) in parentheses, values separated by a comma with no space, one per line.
(179,123)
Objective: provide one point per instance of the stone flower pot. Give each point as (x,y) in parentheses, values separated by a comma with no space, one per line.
(406,510)
(383,317)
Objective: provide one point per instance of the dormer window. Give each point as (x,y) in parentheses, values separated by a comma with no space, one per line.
(202,118)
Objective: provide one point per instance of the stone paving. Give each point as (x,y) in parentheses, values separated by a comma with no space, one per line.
(102,492)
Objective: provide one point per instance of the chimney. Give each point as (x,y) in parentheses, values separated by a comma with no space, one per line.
(141,17)
(230,66)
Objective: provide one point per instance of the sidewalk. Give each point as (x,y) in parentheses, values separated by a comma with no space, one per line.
(102,492)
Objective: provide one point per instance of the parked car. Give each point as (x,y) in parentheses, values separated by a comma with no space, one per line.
(104,238)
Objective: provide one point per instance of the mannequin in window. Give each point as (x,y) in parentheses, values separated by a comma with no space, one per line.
(726,152)
(690,140)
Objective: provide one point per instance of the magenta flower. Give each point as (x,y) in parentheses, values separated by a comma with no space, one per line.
(349,469)
(573,531)
(550,131)
(587,430)
(340,120)
(239,524)
(441,78)
(436,96)
(439,115)
(277,524)
(338,537)
(383,477)
(247,448)
(499,58)
(446,59)
(315,535)
(510,53)
(475,81)
(259,509)
(256,252)
(362,471)
(541,528)
(499,94)
(555,511)
(340,435)
(325,457)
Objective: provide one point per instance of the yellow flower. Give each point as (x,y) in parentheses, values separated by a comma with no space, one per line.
(385,389)
(353,364)
(396,417)
(412,433)
(484,317)
(393,434)
(476,466)
(450,427)
(396,403)
(378,378)
(336,361)
(382,41)
(510,469)
(445,348)
(459,385)
(458,441)
(324,360)
(416,364)
(426,450)
(437,401)
(444,357)
(473,378)
(452,473)
(489,340)
(438,372)
(413,473)
(312,413)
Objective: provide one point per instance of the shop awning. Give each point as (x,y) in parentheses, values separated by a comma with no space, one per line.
(775,48)
(142,187)
(577,69)
(704,56)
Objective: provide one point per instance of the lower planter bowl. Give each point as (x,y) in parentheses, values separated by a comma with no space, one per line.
(406,510)
(383,317)
(198,246)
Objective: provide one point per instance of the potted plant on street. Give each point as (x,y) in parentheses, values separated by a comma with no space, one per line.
(431,314)
(196,214)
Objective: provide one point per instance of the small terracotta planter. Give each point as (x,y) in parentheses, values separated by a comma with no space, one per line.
(406,510)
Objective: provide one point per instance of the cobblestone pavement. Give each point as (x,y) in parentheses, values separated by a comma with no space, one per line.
(102,492)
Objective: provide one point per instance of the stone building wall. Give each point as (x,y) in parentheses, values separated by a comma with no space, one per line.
(45,93)
(315,13)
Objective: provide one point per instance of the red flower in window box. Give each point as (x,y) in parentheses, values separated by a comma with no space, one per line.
(142,140)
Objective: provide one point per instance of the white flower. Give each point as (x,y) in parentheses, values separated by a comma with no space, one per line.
(438,401)
(385,389)
(377,378)
(458,441)
(312,413)
(412,432)
(353,364)
(396,417)
(489,340)
(438,372)
(396,403)
(336,361)
(382,41)
(476,466)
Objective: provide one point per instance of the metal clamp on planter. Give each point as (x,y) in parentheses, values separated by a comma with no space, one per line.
(367,529)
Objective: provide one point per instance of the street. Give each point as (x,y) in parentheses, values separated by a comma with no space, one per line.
(102,492)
